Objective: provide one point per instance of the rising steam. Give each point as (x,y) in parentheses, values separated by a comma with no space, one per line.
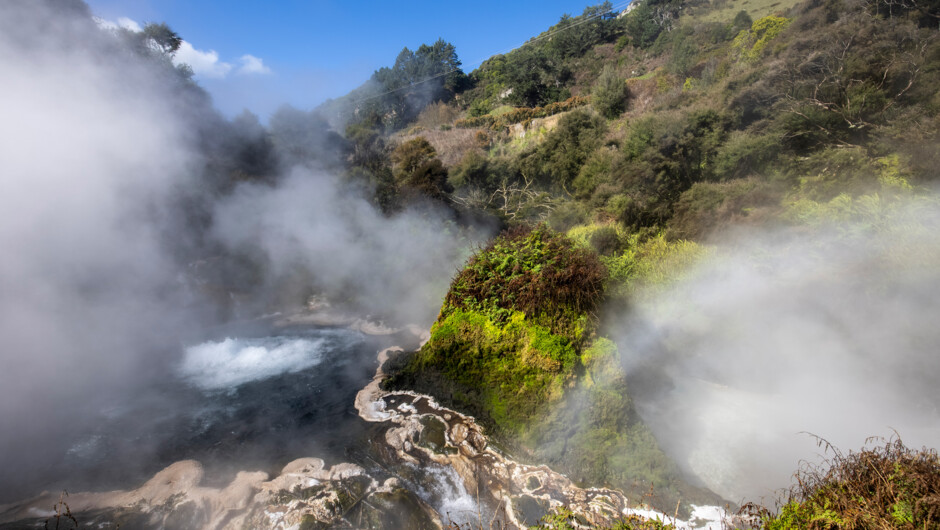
(831,331)
(107,209)
(91,150)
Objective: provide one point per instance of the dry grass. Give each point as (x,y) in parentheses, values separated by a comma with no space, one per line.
(886,487)
(725,10)
(451,145)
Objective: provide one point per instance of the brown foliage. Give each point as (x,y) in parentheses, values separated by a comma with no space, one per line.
(885,487)
(537,271)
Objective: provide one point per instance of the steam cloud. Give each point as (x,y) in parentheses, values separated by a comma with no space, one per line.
(397,266)
(97,296)
(832,332)
(91,151)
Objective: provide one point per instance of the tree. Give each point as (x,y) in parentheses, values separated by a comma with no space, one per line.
(431,73)
(649,19)
(161,37)
(609,95)
(417,171)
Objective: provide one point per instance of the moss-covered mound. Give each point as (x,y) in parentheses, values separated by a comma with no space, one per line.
(884,487)
(515,345)
(508,340)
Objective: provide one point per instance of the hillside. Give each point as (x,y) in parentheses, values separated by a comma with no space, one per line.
(682,117)
(674,248)
(645,136)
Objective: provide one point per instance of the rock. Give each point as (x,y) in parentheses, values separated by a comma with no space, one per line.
(458,433)
(478,441)
(394,509)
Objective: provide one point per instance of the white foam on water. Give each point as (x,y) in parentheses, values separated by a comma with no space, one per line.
(216,365)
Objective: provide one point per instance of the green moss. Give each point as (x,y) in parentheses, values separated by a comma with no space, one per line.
(515,346)
(650,264)
(516,365)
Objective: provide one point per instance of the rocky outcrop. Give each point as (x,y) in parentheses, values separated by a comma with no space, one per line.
(515,494)
(304,493)
(420,442)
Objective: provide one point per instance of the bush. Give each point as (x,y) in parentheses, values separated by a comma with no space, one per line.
(707,207)
(745,153)
(417,172)
(472,170)
(606,241)
(595,172)
(566,215)
(478,108)
(883,487)
(610,93)
(559,158)
(537,271)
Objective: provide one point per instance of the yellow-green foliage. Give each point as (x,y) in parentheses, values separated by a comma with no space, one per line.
(518,366)
(749,44)
(601,362)
(513,324)
(505,118)
(651,263)
(581,234)
(879,211)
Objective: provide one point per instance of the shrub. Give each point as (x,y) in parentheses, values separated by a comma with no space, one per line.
(559,158)
(566,215)
(609,95)
(884,487)
(470,171)
(606,241)
(744,154)
(595,171)
(749,44)
(417,171)
(707,207)
(536,271)
(478,108)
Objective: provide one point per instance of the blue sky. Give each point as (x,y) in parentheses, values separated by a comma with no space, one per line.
(303,52)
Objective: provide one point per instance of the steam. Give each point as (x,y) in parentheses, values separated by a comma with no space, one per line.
(831,331)
(108,209)
(91,151)
(390,267)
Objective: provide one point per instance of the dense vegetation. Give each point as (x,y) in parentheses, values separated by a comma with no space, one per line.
(678,117)
(516,343)
(641,135)
(632,138)
(882,487)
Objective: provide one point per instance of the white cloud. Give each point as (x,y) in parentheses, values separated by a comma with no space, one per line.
(252,65)
(203,63)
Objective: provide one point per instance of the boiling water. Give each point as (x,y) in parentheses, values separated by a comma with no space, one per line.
(249,403)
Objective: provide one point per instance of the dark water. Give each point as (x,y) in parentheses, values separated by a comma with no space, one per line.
(233,403)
